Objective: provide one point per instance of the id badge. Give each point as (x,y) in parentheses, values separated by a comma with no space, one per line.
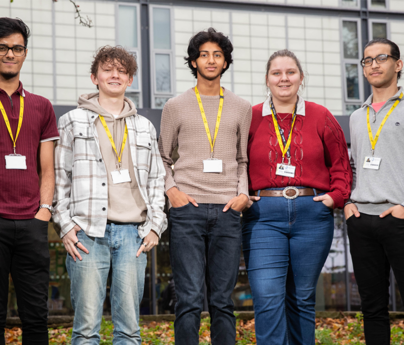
(120,176)
(285,170)
(212,165)
(16,162)
(372,163)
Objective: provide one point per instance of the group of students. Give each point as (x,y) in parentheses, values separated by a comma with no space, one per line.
(282,164)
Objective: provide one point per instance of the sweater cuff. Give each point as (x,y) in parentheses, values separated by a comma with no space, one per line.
(170,183)
(336,195)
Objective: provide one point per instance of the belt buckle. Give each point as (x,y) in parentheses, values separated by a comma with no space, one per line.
(293,196)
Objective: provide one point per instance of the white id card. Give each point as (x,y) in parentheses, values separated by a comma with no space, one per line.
(285,170)
(16,162)
(120,176)
(372,163)
(212,165)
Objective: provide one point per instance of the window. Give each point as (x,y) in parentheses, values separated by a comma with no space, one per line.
(378,3)
(349,3)
(128,36)
(161,55)
(352,80)
(378,29)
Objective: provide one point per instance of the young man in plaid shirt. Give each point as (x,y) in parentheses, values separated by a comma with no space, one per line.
(109,199)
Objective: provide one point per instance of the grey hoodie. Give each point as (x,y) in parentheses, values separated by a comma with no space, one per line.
(374,191)
(125,203)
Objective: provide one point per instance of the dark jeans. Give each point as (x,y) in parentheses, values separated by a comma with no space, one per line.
(24,253)
(205,245)
(376,244)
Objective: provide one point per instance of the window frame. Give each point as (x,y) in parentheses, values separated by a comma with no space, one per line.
(379,8)
(154,51)
(370,27)
(345,61)
(135,50)
(341,4)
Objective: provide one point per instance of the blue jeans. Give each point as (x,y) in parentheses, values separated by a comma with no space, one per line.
(205,245)
(285,245)
(115,251)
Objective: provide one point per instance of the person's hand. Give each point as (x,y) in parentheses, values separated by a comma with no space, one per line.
(43,214)
(70,240)
(396,211)
(351,210)
(237,203)
(326,200)
(178,198)
(150,241)
(251,200)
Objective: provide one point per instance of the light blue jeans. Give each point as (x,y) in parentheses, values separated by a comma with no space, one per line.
(115,251)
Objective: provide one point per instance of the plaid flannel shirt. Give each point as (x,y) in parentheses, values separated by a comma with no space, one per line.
(80,171)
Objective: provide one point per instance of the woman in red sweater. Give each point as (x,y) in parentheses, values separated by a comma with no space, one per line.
(299,172)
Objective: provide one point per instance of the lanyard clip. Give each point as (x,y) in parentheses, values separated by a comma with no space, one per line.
(211,154)
(289,159)
(14,149)
(373,152)
(283,159)
(118,166)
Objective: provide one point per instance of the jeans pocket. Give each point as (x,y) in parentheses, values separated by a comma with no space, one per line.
(181,207)
(233,211)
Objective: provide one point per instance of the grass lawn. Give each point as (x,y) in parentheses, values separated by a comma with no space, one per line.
(328,332)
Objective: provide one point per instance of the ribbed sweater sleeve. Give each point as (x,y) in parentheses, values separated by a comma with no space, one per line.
(337,161)
(168,141)
(242,158)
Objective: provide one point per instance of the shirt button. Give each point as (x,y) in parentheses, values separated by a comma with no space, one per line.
(103,184)
(103,208)
(81,133)
(100,160)
(92,116)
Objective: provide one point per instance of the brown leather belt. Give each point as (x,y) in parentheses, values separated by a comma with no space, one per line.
(289,192)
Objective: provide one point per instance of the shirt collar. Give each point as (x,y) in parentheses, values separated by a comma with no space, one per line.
(20,90)
(301,107)
(369,101)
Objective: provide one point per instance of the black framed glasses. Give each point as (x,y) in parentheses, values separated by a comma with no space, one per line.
(17,50)
(381,58)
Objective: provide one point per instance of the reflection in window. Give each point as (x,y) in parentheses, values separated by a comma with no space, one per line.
(350,108)
(127,26)
(163,73)
(352,81)
(379,30)
(349,3)
(378,3)
(160,102)
(161,28)
(350,37)
(134,97)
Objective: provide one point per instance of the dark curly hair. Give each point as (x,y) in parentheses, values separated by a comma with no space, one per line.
(108,54)
(208,36)
(9,26)
(394,49)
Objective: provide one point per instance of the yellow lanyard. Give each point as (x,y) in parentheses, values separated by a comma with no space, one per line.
(373,141)
(205,121)
(19,121)
(278,134)
(125,137)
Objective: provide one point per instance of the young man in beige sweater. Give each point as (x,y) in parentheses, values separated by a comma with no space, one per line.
(208,125)
(109,200)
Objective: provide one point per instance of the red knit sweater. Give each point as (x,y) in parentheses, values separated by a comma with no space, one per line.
(318,151)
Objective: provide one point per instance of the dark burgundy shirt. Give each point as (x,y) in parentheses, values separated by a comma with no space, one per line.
(318,151)
(19,195)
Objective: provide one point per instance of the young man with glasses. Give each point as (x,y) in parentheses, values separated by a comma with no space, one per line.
(27,131)
(109,199)
(375,213)
(209,126)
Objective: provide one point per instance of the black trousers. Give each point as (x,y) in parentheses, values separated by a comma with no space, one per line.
(24,253)
(376,245)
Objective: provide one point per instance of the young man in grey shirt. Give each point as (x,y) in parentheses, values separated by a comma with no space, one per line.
(375,214)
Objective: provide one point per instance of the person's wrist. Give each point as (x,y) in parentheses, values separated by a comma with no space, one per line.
(348,203)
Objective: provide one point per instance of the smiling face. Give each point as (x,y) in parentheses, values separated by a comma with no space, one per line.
(210,62)
(284,79)
(10,65)
(112,79)
(381,75)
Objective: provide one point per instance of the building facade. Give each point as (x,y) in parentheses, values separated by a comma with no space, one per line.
(326,35)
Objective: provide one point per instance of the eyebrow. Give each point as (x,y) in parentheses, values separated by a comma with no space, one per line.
(207,51)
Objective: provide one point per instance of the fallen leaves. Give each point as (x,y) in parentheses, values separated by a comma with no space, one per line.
(343,331)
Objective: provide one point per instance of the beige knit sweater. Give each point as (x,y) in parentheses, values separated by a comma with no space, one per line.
(182,127)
